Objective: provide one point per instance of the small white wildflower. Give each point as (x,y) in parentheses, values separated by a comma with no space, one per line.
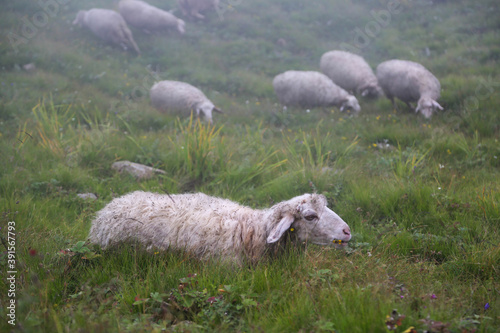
(439,188)
(441,166)
(308,110)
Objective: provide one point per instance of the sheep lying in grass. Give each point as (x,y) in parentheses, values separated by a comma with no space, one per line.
(312,89)
(213,227)
(351,72)
(410,82)
(181,96)
(194,7)
(149,18)
(107,25)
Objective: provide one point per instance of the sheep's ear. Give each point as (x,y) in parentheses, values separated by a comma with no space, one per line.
(217,110)
(436,104)
(280,228)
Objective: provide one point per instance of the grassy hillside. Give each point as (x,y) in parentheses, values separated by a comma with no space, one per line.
(421,196)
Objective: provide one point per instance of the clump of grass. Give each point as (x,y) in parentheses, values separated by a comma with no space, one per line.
(407,162)
(51,123)
(199,149)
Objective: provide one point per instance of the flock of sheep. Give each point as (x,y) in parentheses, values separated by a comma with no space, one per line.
(343,74)
(208,226)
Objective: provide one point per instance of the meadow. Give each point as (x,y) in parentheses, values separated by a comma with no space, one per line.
(422,196)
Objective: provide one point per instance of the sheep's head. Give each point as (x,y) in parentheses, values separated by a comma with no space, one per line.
(311,220)
(206,108)
(80,18)
(372,90)
(350,103)
(427,106)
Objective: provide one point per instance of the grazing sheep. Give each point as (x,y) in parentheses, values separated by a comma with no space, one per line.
(213,227)
(312,89)
(410,82)
(108,25)
(351,72)
(149,18)
(181,96)
(193,8)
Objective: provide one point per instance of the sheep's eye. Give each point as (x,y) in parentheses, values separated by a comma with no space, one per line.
(311,217)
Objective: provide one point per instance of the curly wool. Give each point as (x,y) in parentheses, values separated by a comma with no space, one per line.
(107,25)
(208,226)
(410,82)
(174,95)
(144,16)
(351,72)
(311,89)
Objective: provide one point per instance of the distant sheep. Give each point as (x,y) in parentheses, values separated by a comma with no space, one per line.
(107,25)
(410,82)
(351,72)
(149,18)
(193,8)
(181,96)
(312,89)
(213,227)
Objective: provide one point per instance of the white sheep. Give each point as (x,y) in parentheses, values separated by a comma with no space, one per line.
(410,82)
(312,89)
(181,96)
(150,19)
(193,8)
(211,227)
(351,72)
(107,25)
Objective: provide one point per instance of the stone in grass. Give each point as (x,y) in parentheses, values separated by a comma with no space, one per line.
(137,170)
(30,68)
(87,196)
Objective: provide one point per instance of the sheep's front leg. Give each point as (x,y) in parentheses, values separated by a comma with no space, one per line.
(393,101)
(411,107)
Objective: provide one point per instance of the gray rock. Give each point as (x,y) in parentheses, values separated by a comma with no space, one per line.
(137,170)
(87,196)
(29,67)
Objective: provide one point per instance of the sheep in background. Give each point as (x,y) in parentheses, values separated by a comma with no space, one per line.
(143,16)
(193,8)
(213,227)
(351,72)
(181,96)
(312,89)
(108,25)
(410,82)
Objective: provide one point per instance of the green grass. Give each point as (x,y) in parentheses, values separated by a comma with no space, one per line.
(422,197)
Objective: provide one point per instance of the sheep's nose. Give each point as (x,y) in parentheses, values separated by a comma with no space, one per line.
(347,231)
